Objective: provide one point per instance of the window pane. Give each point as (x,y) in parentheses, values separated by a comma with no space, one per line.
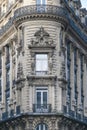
(38,99)
(44,97)
(41,62)
(41,127)
(38,1)
(41,1)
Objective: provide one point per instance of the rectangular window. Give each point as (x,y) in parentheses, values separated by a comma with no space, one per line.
(7,55)
(41,99)
(0,87)
(41,64)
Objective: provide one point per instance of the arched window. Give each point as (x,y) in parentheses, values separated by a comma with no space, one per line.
(41,127)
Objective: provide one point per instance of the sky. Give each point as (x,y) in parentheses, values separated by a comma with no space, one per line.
(84,3)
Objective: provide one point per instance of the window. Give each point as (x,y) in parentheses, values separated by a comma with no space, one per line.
(0,87)
(68,78)
(7,55)
(41,127)
(41,97)
(82,74)
(41,100)
(41,64)
(7,91)
(7,78)
(0,77)
(75,73)
(42,2)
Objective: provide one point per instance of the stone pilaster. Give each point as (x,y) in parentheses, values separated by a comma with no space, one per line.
(79,78)
(3,75)
(72,79)
(85,86)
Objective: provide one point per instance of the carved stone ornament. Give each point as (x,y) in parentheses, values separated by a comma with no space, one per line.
(62,71)
(20,71)
(42,39)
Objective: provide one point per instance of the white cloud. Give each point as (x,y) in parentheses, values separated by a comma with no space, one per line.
(84,3)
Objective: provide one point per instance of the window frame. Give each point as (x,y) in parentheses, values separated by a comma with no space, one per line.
(41,107)
(42,90)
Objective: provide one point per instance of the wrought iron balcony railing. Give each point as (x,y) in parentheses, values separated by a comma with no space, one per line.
(40,9)
(51,10)
(74,115)
(42,108)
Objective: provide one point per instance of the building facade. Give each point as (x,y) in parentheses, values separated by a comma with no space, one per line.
(43,65)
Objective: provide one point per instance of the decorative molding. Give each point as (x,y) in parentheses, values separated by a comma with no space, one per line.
(74,103)
(62,70)
(2,106)
(20,74)
(43,80)
(42,39)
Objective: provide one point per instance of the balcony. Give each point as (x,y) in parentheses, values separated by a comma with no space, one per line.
(74,115)
(4,115)
(39,9)
(42,108)
(11,114)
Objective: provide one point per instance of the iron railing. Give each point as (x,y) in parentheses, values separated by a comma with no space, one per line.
(43,9)
(39,9)
(42,108)
(74,115)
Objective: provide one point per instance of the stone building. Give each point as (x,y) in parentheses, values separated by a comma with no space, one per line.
(43,65)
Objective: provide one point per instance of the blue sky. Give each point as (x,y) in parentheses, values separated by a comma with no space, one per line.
(84,3)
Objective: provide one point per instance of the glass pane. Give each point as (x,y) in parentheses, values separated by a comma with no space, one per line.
(37,128)
(45,100)
(41,127)
(41,62)
(38,99)
(43,2)
(38,2)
